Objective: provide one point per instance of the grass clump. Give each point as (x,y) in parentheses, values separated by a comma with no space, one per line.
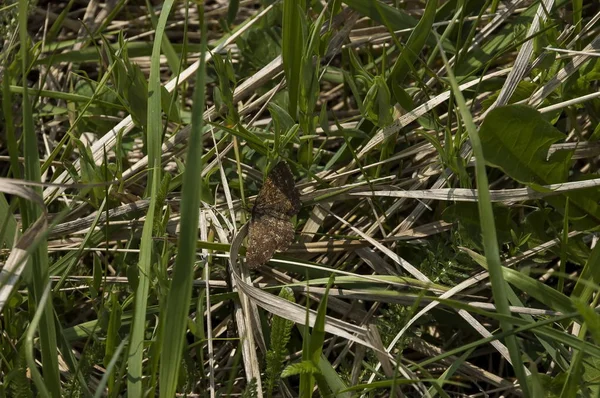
(446,154)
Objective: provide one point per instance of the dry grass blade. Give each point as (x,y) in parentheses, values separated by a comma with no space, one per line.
(245,311)
(419,111)
(562,75)
(17,260)
(291,311)
(470,195)
(21,189)
(521,62)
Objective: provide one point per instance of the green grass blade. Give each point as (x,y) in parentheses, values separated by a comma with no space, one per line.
(490,241)
(414,45)
(179,296)
(317,338)
(31,212)
(590,273)
(543,293)
(577,14)
(154,125)
(383,13)
(292,46)
(334,381)
(166,45)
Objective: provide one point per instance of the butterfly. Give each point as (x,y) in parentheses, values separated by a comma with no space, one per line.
(270,226)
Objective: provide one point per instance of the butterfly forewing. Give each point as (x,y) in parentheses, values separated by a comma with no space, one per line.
(278,195)
(270,226)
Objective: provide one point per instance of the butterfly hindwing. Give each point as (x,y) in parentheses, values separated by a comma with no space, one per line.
(267,235)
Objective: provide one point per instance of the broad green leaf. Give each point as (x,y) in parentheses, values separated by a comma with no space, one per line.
(282,121)
(516,139)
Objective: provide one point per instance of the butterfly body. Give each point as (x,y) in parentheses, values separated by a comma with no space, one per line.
(270,225)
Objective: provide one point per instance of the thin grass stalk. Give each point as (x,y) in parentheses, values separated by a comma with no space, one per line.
(8,223)
(11,140)
(154,123)
(488,228)
(179,296)
(563,248)
(577,18)
(109,374)
(542,328)
(575,372)
(39,382)
(307,381)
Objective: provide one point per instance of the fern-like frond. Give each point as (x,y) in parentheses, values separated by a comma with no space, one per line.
(281,330)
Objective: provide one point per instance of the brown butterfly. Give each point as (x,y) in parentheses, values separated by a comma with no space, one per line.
(270,225)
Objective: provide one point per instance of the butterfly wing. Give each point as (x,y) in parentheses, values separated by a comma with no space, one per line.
(270,227)
(278,195)
(267,234)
